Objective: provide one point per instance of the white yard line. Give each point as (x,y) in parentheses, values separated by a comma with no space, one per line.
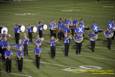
(17,74)
(108,6)
(55,64)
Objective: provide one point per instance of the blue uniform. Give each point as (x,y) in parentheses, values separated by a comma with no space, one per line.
(75,22)
(108,34)
(17,29)
(67,22)
(52,47)
(66,40)
(40,29)
(8,53)
(66,45)
(78,39)
(95,27)
(52,42)
(29,30)
(38,42)
(17,33)
(18,46)
(20,54)
(26,41)
(52,25)
(66,30)
(79,30)
(92,37)
(37,51)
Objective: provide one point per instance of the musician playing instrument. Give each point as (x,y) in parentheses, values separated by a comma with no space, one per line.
(93,37)
(8,59)
(66,44)
(53,47)
(40,29)
(37,52)
(108,35)
(20,56)
(78,38)
(25,43)
(17,33)
(53,28)
(30,31)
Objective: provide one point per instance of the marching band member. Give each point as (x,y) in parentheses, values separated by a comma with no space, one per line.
(66,44)
(78,38)
(111,26)
(30,31)
(38,41)
(75,23)
(1,51)
(40,29)
(37,52)
(25,45)
(93,37)
(4,46)
(60,29)
(67,23)
(53,47)
(20,56)
(8,62)
(108,35)
(96,28)
(52,27)
(17,33)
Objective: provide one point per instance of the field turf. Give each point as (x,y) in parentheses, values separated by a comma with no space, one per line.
(30,12)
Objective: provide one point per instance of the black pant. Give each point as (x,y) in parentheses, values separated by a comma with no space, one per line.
(40,33)
(109,42)
(66,49)
(30,36)
(37,61)
(20,64)
(8,65)
(60,35)
(92,46)
(78,48)
(113,36)
(72,32)
(25,49)
(53,51)
(17,37)
(3,51)
(52,33)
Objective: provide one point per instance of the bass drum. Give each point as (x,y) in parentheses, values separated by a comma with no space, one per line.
(34,29)
(45,27)
(22,28)
(4,30)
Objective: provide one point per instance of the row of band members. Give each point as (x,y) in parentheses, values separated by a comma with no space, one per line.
(61,27)
(23,45)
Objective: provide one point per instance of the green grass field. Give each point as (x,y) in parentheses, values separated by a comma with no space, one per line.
(30,12)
